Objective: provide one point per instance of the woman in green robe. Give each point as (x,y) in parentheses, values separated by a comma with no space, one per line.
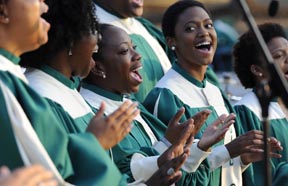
(114,78)
(54,71)
(157,57)
(189,31)
(47,143)
(249,69)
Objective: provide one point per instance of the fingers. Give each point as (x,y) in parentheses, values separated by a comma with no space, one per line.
(186,133)
(176,118)
(4,171)
(101,110)
(35,175)
(200,118)
(275,144)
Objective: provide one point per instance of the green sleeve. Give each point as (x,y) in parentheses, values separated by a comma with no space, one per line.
(11,157)
(63,148)
(91,163)
(281,175)
(136,141)
(165,107)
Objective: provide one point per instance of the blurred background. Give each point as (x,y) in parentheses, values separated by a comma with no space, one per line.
(229,24)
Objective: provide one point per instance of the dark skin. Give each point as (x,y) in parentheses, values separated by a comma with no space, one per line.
(113,127)
(119,62)
(193,28)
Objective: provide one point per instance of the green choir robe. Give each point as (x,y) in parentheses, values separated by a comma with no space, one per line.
(178,89)
(62,94)
(67,151)
(249,111)
(145,134)
(154,59)
(150,41)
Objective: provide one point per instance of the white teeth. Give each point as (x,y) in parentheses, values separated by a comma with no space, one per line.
(138,68)
(203,43)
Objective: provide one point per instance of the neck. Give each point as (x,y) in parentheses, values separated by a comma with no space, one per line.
(61,63)
(196,71)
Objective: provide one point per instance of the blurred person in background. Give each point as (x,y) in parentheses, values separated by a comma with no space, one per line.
(250,71)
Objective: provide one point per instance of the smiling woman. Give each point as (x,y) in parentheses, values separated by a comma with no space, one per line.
(135,155)
(188,28)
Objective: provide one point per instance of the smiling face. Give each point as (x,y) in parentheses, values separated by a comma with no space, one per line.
(81,60)
(26,26)
(120,61)
(127,8)
(195,38)
(278,47)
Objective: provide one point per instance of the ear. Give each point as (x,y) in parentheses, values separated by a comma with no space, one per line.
(256,70)
(4,14)
(170,42)
(99,70)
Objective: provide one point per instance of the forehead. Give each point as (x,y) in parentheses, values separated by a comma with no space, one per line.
(277,42)
(195,13)
(115,36)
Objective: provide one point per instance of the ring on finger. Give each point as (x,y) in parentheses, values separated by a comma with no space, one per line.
(170,171)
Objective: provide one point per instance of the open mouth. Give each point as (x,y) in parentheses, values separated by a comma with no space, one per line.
(136,75)
(205,46)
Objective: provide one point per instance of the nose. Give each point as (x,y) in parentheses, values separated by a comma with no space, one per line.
(136,56)
(202,32)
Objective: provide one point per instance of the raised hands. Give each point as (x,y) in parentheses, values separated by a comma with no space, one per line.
(168,173)
(175,129)
(258,155)
(27,176)
(112,129)
(216,131)
(179,147)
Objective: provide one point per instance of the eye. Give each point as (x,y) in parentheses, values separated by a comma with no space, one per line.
(210,25)
(190,29)
(278,55)
(134,47)
(123,51)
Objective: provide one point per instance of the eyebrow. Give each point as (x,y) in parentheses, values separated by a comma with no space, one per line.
(195,22)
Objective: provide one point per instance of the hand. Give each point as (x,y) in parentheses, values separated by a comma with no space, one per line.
(275,145)
(175,129)
(199,119)
(161,177)
(27,176)
(179,147)
(251,141)
(112,129)
(216,131)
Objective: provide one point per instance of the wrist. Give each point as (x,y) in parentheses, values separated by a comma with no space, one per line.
(202,147)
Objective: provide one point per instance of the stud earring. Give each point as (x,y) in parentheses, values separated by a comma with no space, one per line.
(70,52)
(260,74)
(173,48)
(103,74)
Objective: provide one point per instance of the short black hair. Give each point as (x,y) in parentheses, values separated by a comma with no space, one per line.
(247,53)
(70,20)
(173,12)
